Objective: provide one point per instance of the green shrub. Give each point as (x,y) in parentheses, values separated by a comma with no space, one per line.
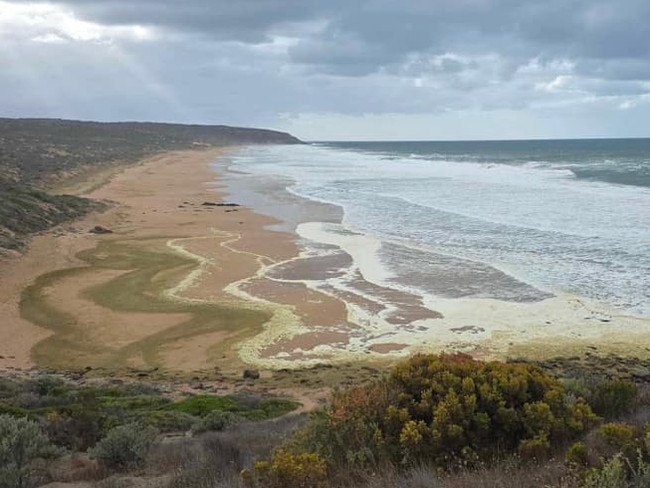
(536,449)
(611,475)
(578,455)
(640,472)
(43,385)
(613,399)
(80,425)
(618,435)
(21,443)
(621,471)
(125,447)
(609,399)
(216,421)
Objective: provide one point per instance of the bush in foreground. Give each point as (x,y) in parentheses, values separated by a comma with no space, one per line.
(616,455)
(125,447)
(305,470)
(21,443)
(450,411)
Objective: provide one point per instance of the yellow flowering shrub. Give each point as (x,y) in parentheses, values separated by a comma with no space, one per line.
(304,470)
(449,410)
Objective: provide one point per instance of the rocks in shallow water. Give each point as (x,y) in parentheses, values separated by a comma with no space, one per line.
(98,229)
(251,374)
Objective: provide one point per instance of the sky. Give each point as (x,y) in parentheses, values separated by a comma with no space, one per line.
(336,69)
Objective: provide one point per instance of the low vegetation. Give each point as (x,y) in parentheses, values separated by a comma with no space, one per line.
(25,210)
(434,421)
(118,425)
(77,416)
(22,444)
(453,421)
(124,447)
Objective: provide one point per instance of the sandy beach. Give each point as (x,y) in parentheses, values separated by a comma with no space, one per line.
(186,281)
(165,217)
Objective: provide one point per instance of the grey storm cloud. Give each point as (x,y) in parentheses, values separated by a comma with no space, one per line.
(242,20)
(379,32)
(211,60)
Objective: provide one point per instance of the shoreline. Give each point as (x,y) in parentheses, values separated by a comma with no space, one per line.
(184,284)
(545,326)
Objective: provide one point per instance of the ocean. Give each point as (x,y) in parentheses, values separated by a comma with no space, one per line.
(514,221)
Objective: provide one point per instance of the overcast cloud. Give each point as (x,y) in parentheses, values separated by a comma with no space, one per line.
(369,69)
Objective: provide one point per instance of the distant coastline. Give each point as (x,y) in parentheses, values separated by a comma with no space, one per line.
(42,158)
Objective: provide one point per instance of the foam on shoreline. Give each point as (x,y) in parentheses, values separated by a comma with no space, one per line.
(387,317)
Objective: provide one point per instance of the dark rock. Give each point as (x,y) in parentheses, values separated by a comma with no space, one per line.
(251,374)
(98,229)
(213,204)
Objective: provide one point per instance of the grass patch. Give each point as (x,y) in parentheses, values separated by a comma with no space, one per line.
(249,407)
(201,405)
(164,420)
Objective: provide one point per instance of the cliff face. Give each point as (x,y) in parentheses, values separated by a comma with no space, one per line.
(33,152)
